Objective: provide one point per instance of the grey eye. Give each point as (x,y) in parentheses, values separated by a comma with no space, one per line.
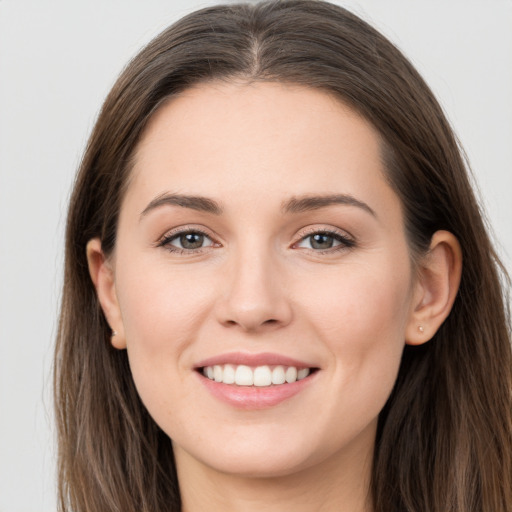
(320,241)
(190,240)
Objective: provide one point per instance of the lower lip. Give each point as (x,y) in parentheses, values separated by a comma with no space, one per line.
(254,397)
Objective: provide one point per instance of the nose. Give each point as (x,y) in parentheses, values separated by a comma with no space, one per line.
(255,295)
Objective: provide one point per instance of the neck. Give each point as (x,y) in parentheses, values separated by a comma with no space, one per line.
(338,484)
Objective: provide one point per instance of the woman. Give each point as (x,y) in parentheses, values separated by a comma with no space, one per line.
(279,290)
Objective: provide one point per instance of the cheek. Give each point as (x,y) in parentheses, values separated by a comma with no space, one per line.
(360,315)
(162,312)
(159,304)
(360,298)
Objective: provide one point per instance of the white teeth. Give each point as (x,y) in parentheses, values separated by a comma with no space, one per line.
(244,376)
(278,375)
(291,374)
(260,376)
(229,374)
(302,374)
(217,373)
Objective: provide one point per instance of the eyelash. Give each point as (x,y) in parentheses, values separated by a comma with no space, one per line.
(166,240)
(345,242)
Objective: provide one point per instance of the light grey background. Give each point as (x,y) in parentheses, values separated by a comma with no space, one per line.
(58,60)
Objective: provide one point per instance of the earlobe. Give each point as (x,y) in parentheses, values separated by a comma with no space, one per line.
(436,288)
(102,276)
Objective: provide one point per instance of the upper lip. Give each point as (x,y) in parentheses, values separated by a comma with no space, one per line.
(263,358)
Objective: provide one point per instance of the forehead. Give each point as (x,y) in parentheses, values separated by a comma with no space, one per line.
(261,141)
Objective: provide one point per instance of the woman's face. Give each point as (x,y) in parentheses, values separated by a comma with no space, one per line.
(258,241)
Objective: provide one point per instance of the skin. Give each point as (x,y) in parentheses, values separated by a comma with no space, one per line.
(259,285)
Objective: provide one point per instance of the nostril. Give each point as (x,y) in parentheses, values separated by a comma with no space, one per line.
(252,325)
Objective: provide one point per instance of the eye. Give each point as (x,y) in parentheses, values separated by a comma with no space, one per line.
(185,241)
(324,241)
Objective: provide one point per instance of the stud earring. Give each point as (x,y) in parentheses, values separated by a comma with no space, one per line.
(114,333)
(421,328)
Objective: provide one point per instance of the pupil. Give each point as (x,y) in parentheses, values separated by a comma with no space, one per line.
(191,240)
(320,241)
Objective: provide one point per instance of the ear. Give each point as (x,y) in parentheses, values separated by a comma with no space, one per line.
(102,276)
(436,288)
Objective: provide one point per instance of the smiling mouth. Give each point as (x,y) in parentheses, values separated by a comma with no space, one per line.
(259,376)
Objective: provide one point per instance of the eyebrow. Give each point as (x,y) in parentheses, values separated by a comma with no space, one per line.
(308,203)
(199,203)
(293,205)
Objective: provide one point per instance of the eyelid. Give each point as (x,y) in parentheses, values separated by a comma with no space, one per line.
(163,240)
(319,228)
(347,240)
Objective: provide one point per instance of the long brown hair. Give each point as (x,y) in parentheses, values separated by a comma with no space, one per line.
(444,437)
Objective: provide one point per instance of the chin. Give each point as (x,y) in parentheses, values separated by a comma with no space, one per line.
(256,455)
(277,464)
